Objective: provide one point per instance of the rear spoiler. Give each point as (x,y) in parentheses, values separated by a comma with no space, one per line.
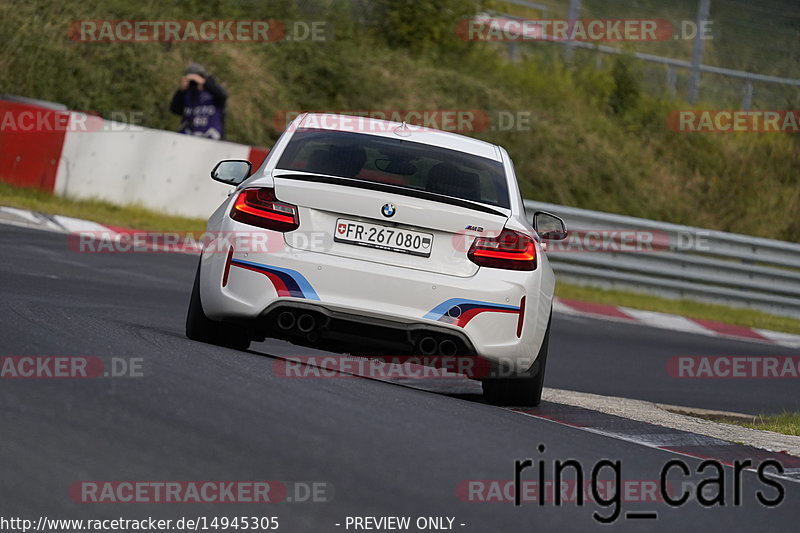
(386,187)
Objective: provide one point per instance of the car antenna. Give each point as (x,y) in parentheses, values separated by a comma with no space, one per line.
(403,130)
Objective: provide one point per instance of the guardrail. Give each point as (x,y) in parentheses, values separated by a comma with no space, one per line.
(621,252)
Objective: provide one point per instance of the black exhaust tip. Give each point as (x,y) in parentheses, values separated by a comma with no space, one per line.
(286,320)
(448,347)
(428,346)
(306,323)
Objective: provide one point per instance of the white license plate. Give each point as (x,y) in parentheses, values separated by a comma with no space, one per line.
(383,237)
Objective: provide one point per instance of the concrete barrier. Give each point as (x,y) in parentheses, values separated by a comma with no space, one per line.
(78,156)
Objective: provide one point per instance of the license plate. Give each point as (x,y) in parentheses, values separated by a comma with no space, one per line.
(383,237)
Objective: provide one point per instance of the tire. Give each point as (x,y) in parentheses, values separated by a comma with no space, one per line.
(524,389)
(202,329)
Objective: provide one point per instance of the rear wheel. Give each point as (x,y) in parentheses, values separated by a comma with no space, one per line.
(524,389)
(201,328)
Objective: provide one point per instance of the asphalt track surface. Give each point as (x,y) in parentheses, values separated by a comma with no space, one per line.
(201,412)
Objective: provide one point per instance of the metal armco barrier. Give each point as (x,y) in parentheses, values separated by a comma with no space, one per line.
(621,252)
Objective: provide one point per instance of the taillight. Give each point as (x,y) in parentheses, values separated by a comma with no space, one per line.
(510,250)
(259,207)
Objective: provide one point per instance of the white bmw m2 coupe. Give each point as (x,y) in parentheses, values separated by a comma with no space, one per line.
(371,237)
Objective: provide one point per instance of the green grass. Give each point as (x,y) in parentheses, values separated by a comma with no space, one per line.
(97,211)
(787,423)
(687,308)
(598,139)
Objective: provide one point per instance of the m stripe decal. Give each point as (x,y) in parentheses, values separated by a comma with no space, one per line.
(287,282)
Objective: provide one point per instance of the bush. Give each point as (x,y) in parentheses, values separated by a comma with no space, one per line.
(627,87)
(422,25)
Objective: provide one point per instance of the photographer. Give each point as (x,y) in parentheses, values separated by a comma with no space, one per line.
(200,100)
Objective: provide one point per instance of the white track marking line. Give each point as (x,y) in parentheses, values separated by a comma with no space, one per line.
(667,321)
(778,337)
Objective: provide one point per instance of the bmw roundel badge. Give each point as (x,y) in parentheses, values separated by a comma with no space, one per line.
(388,210)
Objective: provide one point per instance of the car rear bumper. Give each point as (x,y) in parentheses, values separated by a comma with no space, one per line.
(360,305)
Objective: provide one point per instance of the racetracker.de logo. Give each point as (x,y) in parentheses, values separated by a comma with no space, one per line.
(68,367)
(220,242)
(733,367)
(48,121)
(618,240)
(566,491)
(611,241)
(196,31)
(383,367)
(216,492)
(144,31)
(358,120)
(567,30)
(733,121)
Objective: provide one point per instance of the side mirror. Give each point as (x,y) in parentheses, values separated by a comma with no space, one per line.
(232,171)
(549,227)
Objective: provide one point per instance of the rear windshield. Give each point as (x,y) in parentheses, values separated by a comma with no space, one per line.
(397,162)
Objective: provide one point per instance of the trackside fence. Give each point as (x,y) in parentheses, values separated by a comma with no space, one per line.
(677,261)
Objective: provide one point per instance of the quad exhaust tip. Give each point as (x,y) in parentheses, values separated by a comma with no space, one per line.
(286,320)
(430,346)
(306,323)
(447,347)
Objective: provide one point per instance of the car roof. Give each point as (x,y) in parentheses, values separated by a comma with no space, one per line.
(388,128)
